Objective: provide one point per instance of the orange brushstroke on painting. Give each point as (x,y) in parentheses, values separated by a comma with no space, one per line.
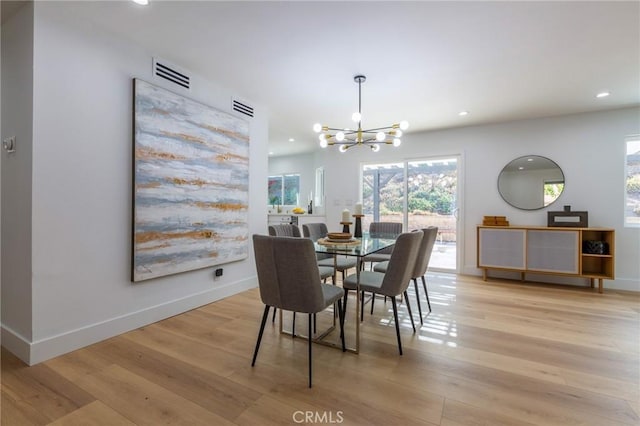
(145,237)
(160,111)
(221,206)
(155,247)
(148,154)
(231,157)
(185,137)
(235,135)
(181,181)
(148,185)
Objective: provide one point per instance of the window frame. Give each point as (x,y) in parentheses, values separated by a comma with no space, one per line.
(635,139)
(282,197)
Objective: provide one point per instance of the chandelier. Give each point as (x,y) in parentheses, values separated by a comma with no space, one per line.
(347,138)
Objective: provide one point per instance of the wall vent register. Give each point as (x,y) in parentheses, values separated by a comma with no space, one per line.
(242,107)
(171,73)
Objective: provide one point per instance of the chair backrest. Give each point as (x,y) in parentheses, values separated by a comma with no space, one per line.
(284,230)
(288,274)
(315,231)
(424,252)
(401,264)
(385,229)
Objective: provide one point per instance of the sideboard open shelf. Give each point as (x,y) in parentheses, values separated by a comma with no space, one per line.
(546,250)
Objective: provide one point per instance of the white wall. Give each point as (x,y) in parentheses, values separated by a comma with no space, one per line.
(17,113)
(589,148)
(82,177)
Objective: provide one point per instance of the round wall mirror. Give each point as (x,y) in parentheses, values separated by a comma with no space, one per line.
(531,182)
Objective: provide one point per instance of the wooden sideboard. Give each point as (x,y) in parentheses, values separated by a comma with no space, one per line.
(546,250)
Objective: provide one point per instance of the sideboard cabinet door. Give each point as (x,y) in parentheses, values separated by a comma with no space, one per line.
(553,251)
(501,248)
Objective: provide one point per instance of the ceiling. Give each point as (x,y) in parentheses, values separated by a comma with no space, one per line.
(424,61)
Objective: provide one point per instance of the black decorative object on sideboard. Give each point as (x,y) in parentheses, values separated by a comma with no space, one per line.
(568,218)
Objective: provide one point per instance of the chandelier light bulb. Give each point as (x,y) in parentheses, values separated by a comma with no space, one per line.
(346,138)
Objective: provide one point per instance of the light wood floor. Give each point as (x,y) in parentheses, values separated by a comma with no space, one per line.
(495,353)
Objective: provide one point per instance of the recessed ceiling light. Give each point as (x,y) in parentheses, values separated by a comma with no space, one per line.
(520,168)
(529,159)
(270,152)
(602,94)
(292,140)
(463,113)
(142,2)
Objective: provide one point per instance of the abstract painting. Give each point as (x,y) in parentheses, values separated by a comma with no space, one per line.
(191,184)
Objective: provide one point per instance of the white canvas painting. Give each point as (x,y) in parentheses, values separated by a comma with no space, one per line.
(191,184)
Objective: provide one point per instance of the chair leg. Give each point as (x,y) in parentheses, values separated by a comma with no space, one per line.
(314,324)
(373,299)
(426,292)
(346,293)
(310,344)
(264,320)
(293,326)
(362,306)
(415,284)
(409,310)
(341,319)
(274,315)
(395,316)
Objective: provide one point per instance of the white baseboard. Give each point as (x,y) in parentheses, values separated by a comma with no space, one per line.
(35,352)
(616,284)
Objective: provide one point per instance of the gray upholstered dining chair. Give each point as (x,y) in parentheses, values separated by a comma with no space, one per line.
(291,230)
(315,231)
(284,230)
(288,279)
(382,230)
(422,263)
(395,281)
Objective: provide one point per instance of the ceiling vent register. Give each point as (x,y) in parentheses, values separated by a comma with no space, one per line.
(242,107)
(169,73)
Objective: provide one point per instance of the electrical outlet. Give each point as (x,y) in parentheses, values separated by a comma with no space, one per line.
(9,144)
(217,274)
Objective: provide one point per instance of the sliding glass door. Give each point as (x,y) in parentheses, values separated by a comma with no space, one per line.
(418,193)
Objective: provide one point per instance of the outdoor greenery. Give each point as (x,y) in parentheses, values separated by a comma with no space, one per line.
(431,189)
(284,189)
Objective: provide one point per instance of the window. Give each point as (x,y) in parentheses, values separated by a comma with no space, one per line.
(632,183)
(284,189)
(417,193)
(319,186)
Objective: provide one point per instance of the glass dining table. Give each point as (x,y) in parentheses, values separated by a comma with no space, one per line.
(358,247)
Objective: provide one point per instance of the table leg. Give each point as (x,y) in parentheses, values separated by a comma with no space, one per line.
(358,302)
